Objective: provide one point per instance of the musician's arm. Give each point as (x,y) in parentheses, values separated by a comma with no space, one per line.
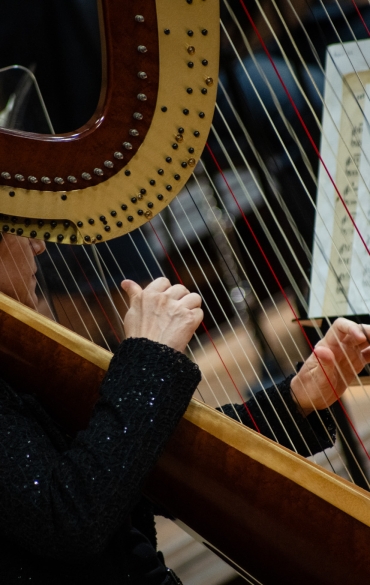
(295,412)
(68,501)
(277,416)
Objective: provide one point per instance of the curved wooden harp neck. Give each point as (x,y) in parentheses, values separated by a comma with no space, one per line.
(147,134)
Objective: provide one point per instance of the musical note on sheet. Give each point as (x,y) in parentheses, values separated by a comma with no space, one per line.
(340,279)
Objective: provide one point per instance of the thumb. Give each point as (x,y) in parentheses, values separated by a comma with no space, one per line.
(325,356)
(131,288)
(322,364)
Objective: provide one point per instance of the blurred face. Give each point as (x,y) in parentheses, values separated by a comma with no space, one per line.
(18,268)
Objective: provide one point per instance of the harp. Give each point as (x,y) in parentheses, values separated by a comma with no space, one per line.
(341,509)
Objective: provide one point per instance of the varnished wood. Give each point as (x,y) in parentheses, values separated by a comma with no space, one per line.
(265,523)
(268,511)
(43,358)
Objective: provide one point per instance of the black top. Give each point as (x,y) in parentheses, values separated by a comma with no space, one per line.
(71,510)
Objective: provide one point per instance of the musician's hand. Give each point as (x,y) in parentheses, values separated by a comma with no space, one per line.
(342,353)
(161,312)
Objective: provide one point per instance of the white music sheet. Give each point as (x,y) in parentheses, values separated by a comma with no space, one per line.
(340,277)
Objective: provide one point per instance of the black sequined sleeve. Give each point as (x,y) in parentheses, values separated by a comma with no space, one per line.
(274,413)
(68,503)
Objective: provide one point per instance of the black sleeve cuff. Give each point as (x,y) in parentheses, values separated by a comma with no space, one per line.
(273,413)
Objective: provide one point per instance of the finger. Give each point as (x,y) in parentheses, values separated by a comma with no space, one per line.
(342,327)
(177,291)
(319,365)
(192,301)
(366,331)
(131,288)
(198,316)
(366,354)
(160,284)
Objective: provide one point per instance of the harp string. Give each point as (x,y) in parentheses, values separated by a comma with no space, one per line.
(166,227)
(275,35)
(360,17)
(267,82)
(303,302)
(199,343)
(266,231)
(99,274)
(87,280)
(251,341)
(246,359)
(277,336)
(302,329)
(305,128)
(227,320)
(204,327)
(179,227)
(83,298)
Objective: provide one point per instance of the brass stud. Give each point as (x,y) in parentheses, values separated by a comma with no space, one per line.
(179,138)
(209,81)
(191,50)
(148,213)
(191,162)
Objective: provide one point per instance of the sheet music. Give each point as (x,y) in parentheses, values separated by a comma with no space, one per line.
(340,279)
